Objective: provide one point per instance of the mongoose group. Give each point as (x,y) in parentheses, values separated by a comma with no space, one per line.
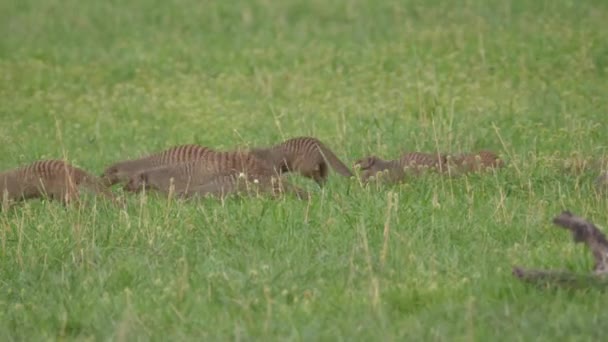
(192,170)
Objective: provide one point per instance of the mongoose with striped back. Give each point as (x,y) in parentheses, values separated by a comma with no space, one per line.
(52,178)
(396,170)
(474,162)
(215,173)
(305,155)
(121,171)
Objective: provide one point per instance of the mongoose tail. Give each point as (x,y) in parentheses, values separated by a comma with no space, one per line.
(305,155)
(334,161)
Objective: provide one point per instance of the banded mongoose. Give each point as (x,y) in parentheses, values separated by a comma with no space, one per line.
(474,162)
(183,175)
(52,178)
(182,178)
(123,170)
(396,170)
(305,155)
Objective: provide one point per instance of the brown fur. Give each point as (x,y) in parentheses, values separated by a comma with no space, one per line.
(216,173)
(475,162)
(54,179)
(184,175)
(123,170)
(396,170)
(305,155)
(226,183)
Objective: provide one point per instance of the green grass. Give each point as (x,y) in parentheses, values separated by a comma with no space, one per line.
(103,81)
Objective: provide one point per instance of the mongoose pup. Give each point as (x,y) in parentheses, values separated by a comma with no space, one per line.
(54,179)
(475,162)
(305,155)
(123,170)
(396,170)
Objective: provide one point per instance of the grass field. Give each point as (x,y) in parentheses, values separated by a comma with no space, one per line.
(427,260)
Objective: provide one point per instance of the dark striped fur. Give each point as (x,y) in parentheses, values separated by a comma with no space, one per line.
(305,155)
(215,167)
(122,171)
(55,179)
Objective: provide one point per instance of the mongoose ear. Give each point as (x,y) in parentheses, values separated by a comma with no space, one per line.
(109,176)
(367,162)
(361,163)
(136,182)
(109,171)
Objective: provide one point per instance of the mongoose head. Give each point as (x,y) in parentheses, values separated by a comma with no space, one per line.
(369,166)
(366,163)
(442,161)
(136,182)
(110,176)
(490,159)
